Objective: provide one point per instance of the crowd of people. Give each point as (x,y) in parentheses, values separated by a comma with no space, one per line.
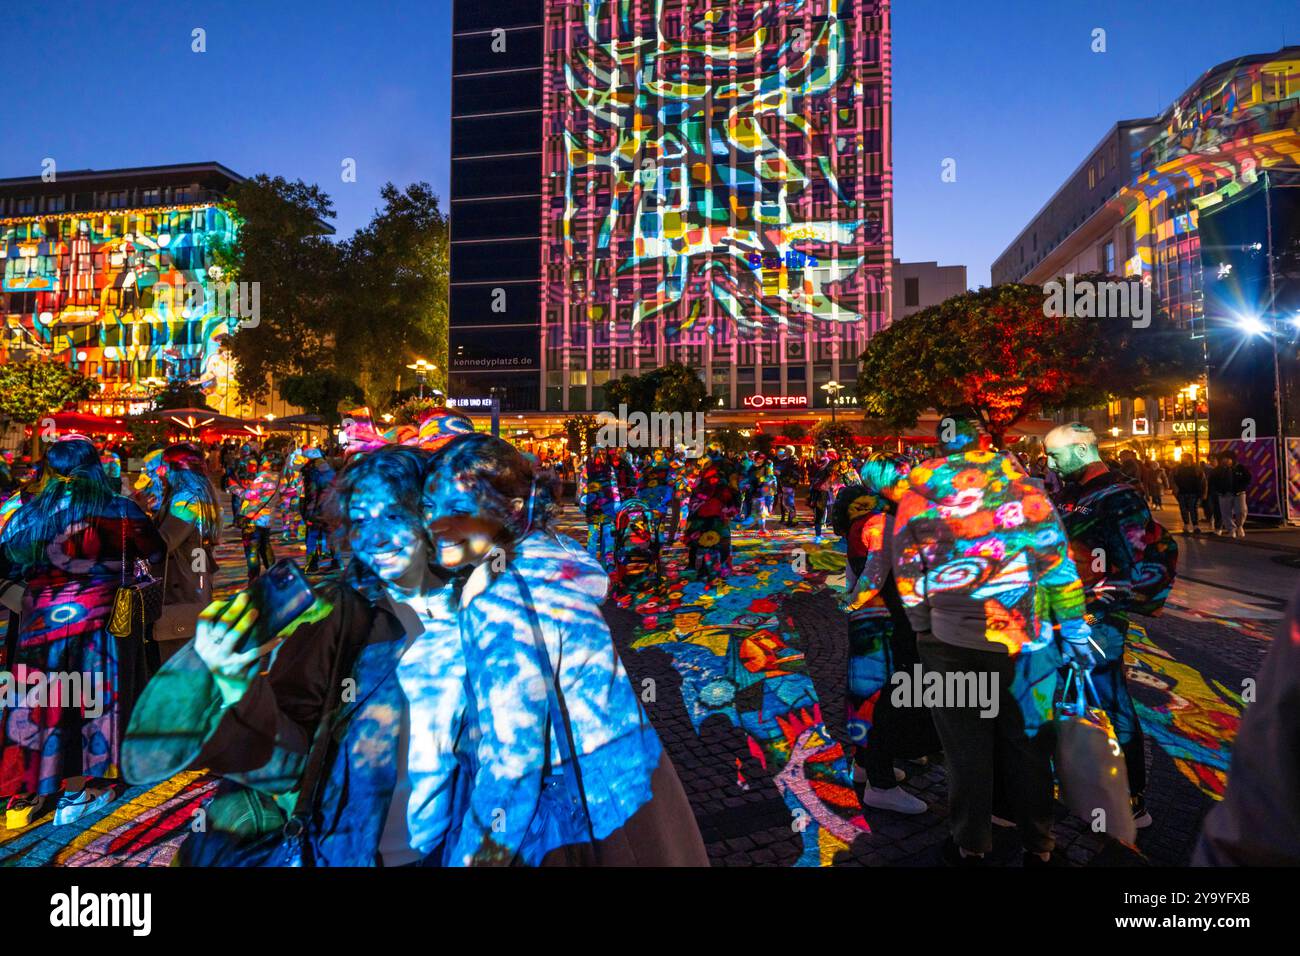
(454,697)
(372,729)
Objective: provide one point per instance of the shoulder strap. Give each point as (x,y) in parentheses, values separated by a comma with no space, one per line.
(557,713)
(309,783)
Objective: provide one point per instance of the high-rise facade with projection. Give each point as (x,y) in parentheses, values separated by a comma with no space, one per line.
(714,188)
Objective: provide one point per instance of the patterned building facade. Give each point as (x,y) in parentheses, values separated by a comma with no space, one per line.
(716,189)
(101,270)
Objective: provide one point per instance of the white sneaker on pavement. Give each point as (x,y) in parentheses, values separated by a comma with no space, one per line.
(896,799)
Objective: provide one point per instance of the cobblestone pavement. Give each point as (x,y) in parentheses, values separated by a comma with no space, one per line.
(752,807)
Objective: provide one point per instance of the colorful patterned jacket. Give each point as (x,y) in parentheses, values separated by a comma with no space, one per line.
(1124,558)
(981,558)
(615,744)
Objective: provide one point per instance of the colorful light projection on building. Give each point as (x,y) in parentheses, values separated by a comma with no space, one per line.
(686,140)
(116,294)
(1213,142)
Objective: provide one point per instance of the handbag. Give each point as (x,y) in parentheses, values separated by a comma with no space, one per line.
(177,622)
(135,605)
(1090,763)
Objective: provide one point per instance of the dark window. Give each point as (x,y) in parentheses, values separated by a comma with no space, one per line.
(496,134)
(496,219)
(496,93)
(911,292)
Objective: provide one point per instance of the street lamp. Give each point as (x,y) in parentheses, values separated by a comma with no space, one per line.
(422,368)
(833,388)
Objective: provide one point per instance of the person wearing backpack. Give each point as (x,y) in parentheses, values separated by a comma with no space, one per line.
(1127,561)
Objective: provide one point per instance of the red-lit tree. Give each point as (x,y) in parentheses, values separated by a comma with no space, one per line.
(997,356)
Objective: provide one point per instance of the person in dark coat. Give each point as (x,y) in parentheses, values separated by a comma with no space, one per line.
(1258,821)
(251,715)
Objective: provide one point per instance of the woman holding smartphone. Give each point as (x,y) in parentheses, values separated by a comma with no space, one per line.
(563,766)
(376,663)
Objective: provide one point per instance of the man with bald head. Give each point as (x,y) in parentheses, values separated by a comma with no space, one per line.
(1126,562)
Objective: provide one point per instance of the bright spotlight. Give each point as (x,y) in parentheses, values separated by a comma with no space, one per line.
(1251,325)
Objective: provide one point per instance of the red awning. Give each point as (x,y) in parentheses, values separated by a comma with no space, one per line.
(83,423)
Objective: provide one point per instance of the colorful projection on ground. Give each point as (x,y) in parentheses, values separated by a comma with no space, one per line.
(686,141)
(117,292)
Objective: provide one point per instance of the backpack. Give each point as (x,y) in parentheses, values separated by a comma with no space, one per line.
(1153,576)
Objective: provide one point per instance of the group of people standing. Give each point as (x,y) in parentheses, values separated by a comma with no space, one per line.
(962,565)
(374,728)
(74,554)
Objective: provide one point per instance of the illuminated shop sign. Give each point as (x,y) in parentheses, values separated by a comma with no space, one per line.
(776,401)
(1141,426)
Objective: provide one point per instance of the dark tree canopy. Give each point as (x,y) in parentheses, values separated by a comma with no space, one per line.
(997,355)
(352,313)
(670,388)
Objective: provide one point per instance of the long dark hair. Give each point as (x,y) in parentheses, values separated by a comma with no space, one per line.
(74,489)
(185,477)
(496,474)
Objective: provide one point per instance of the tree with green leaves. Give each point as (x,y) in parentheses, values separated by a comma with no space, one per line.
(669,388)
(999,355)
(581,431)
(178,393)
(31,390)
(396,301)
(837,435)
(321,393)
(730,440)
(281,243)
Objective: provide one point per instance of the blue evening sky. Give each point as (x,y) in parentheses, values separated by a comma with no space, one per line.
(1008,88)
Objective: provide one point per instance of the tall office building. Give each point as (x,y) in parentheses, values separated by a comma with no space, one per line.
(636,183)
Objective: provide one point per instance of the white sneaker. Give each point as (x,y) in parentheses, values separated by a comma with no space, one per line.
(896,799)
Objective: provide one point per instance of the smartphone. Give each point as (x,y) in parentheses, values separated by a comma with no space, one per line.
(280,595)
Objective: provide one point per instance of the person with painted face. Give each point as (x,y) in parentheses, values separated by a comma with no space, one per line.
(564,766)
(1126,562)
(375,666)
